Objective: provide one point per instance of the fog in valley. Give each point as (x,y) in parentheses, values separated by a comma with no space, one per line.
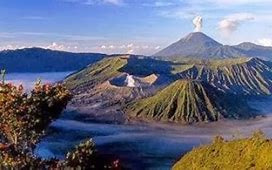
(140,145)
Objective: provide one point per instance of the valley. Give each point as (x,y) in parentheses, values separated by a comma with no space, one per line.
(149,112)
(136,84)
(160,144)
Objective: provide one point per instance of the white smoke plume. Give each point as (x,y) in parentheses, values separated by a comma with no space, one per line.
(130,81)
(198,21)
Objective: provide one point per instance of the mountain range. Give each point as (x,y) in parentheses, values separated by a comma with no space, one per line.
(45,60)
(187,91)
(194,45)
(199,45)
(250,76)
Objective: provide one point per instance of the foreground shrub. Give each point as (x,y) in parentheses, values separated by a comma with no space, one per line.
(24,118)
(85,156)
(251,153)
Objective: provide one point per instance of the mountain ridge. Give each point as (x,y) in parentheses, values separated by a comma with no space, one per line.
(45,60)
(199,45)
(248,76)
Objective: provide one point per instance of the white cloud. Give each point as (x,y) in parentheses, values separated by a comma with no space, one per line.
(265,42)
(115,2)
(226,3)
(56,46)
(159,3)
(130,51)
(231,23)
(129,48)
(238,2)
(163,4)
(93,2)
(178,13)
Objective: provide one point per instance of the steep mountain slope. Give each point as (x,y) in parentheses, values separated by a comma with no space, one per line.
(253,50)
(114,66)
(45,60)
(188,101)
(198,45)
(95,74)
(250,153)
(251,76)
(119,79)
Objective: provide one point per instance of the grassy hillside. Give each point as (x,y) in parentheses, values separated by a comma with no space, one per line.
(249,76)
(95,74)
(188,101)
(251,153)
(113,66)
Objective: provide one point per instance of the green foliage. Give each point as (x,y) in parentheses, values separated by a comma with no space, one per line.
(82,155)
(25,117)
(85,156)
(251,153)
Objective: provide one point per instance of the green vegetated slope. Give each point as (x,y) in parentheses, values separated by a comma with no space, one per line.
(112,67)
(188,101)
(250,76)
(95,74)
(251,153)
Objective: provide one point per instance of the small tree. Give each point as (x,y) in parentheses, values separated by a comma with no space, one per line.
(25,117)
(82,155)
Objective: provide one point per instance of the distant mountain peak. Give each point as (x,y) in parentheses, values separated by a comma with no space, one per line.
(199,45)
(193,45)
(199,37)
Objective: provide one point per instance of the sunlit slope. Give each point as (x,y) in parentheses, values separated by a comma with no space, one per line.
(252,153)
(188,101)
(250,76)
(96,74)
(112,67)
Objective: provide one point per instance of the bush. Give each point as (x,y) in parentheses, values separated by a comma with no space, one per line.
(24,119)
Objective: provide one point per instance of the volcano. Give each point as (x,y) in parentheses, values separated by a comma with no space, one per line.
(189,101)
(199,45)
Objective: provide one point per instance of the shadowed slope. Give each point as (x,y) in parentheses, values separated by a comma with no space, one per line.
(45,60)
(188,101)
(251,76)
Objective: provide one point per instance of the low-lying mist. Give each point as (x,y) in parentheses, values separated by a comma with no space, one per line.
(150,145)
(140,145)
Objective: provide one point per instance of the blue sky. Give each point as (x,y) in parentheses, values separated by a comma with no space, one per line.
(129,26)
